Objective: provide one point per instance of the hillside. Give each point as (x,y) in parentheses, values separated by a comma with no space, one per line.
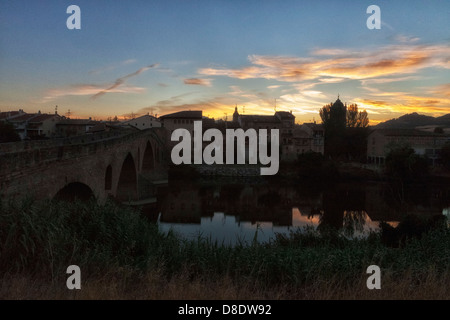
(413,120)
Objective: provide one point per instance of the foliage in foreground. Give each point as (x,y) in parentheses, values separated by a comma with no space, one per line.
(42,239)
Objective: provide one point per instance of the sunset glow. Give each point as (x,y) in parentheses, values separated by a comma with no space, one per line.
(161,57)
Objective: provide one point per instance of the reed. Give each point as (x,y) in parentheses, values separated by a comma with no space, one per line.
(122,255)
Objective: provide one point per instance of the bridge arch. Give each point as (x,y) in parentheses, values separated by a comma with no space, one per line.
(148,162)
(108,178)
(74,191)
(127,185)
(139,159)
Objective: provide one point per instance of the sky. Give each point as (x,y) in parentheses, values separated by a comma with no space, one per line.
(158,57)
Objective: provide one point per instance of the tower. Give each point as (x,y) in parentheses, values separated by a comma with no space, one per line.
(235,115)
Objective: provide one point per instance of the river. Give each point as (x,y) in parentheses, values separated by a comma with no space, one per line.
(233,211)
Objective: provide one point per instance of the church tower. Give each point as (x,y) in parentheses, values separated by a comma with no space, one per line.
(338,115)
(235,115)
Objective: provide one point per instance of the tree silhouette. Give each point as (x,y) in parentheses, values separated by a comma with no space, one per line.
(445,155)
(403,164)
(356,119)
(8,133)
(438,130)
(345,130)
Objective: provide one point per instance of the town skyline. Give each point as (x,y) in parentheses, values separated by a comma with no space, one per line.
(172,56)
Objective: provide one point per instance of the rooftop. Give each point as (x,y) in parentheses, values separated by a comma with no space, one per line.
(8,114)
(314,126)
(409,132)
(99,127)
(259,118)
(77,122)
(183,115)
(24,117)
(141,117)
(284,115)
(42,117)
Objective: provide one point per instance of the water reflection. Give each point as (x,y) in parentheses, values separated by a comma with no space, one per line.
(233,212)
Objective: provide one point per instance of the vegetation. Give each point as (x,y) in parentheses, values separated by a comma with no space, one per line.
(438,130)
(313,165)
(122,255)
(355,118)
(346,131)
(403,164)
(8,133)
(445,155)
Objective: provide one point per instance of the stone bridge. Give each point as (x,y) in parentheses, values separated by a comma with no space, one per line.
(125,164)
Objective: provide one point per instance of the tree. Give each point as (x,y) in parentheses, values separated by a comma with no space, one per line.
(404,164)
(356,119)
(445,155)
(325,113)
(438,130)
(8,133)
(345,130)
(333,119)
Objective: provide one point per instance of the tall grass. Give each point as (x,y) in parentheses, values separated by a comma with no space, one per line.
(38,240)
(44,238)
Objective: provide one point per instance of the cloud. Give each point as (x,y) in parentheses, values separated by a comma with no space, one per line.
(86,90)
(313,93)
(405,39)
(198,82)
(340,64)
(366,82)
(173,100)
(383,23)
(329,52)
(442,90)
(96,90)
(332,80)
(112,67)
(406,103)
(121,81)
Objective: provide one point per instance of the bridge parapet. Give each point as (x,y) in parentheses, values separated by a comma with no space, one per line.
(13,147)
(41,168)
(18,155)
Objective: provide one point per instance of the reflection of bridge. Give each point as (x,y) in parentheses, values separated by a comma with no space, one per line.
(123,164)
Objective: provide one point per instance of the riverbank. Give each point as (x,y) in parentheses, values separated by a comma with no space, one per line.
(154,286)
(123,256)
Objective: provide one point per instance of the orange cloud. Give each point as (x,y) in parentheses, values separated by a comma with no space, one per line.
(341,64)
(443,90)
(198,82)
(403,103)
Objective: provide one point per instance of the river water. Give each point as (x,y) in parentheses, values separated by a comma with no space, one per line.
(230,211)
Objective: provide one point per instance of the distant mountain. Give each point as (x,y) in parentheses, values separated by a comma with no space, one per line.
(413,120)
